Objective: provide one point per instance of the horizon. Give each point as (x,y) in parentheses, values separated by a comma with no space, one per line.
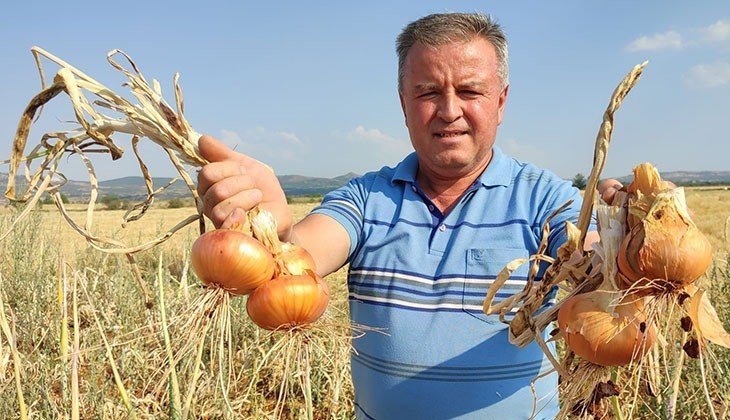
(311,89)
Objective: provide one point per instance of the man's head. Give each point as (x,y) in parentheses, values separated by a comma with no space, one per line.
(445,28)
(453,90)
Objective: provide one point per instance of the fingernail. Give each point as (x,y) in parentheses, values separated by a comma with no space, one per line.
(232,218)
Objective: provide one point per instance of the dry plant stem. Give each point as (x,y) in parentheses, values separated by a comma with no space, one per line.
(21,134)
(671,406)
(579,386)
(614,399)
(195,376)
(10,337)
(530,299)
(151,117)
(603,139)
(110,356)
(75,356)
(708,398)
(63,308)
(533,390)
(655,374)
(140,282)
(172,377)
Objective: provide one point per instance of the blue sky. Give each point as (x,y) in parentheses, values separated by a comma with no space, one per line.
(310,87)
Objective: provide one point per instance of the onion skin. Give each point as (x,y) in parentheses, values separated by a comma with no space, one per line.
(232,260)
(288,301)
(296,260)
(664,247)
(602,337)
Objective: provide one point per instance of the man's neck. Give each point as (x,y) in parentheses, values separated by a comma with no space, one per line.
(444,190)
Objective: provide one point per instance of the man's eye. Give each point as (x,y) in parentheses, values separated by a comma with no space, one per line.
(428,94)
(470,93)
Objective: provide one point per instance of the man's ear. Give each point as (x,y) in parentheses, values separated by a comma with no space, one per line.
(502,103)
(403,107)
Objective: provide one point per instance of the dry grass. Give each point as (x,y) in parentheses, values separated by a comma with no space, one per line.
(134,368)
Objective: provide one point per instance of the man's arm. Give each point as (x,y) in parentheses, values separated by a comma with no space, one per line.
(325,239)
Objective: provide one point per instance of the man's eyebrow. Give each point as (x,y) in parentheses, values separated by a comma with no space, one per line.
(425,86)
(473,85)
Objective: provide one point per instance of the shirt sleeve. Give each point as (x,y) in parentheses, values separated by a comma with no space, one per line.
(347,206)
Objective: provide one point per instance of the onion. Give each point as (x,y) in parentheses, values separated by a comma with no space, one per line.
(295,259)
(663,242)
(288,301)
(296,296)
(603,335)
(232,260)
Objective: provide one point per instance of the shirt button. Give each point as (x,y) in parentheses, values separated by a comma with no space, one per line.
(430,207)
(442,228)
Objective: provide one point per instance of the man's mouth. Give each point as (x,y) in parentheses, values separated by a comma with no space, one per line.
(447,134)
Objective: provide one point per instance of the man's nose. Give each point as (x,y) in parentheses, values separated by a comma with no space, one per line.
(449,108)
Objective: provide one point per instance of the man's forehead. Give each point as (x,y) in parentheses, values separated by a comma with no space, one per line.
(465,47)
(474,53)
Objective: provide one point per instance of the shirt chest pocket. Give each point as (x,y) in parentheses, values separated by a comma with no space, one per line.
(482,267)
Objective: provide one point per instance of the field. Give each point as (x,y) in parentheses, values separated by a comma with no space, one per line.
(66,367)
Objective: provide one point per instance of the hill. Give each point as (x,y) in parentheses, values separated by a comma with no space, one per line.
(685,178)
(133,187)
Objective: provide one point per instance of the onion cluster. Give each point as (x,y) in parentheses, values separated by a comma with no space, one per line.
(280,279)
(649,246)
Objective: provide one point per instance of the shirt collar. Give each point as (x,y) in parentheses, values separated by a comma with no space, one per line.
(498,172)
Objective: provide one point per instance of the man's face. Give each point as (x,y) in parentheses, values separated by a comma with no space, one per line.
(453,101)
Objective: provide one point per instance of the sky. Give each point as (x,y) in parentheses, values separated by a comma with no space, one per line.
(310,87)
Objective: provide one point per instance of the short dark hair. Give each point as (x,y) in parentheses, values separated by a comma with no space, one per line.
(444,28)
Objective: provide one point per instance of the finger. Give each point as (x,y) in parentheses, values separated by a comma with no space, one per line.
(225,189)
(244,200)
(608,194)
(215,172)
(607,189)
(236,217)
(215,151)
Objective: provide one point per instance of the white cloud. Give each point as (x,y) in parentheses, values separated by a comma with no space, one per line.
(268,146)
(709,75)
(363,149)
(717,32)
(658,41)
(376,138)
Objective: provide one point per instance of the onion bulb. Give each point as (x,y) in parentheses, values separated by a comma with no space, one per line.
(232,260)
(295,259)
(603,335)
(288,301)
(663,243)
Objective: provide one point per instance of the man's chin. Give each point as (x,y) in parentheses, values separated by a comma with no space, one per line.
(451,165)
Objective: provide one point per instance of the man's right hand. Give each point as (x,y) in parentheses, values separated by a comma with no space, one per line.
(233,183)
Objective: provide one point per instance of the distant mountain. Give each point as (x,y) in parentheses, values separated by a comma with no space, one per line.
(295,185)
(686,178)
(133,187)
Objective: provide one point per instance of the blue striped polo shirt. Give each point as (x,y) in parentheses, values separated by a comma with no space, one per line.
(422,276)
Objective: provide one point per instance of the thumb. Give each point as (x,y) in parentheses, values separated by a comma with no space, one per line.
(215,151)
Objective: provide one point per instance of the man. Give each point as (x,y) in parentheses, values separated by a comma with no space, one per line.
(425,239)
